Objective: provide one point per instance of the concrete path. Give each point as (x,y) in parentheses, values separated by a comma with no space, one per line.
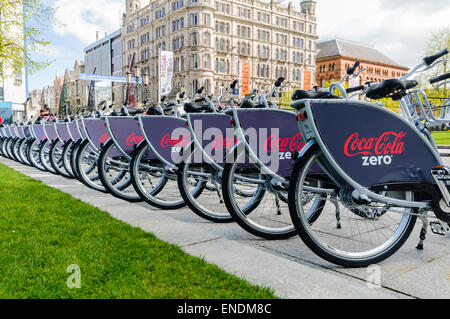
(287,266)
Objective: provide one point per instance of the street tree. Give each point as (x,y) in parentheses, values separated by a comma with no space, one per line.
(22,27)
(439,40)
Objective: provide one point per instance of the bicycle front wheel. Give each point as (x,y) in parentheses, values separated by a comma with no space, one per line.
(347,233)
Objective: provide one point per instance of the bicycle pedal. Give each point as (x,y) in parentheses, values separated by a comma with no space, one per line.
(439,229)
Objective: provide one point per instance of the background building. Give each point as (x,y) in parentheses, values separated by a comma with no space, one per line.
(212,40)
(74,91)
(105,57)
(335,56)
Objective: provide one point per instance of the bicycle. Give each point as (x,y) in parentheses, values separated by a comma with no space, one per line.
(377,179)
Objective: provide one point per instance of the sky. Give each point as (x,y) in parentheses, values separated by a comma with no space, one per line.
(398,28)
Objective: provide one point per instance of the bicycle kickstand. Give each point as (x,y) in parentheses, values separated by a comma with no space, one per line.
(424,230)
(338,213)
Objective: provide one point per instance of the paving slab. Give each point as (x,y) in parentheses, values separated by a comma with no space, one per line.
(288,278)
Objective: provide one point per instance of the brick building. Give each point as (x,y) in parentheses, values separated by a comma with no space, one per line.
(335,56)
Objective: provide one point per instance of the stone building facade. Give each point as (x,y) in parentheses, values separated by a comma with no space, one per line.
(76,90)
(212,39)
(335,56)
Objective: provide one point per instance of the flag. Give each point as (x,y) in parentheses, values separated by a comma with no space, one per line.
(165,72)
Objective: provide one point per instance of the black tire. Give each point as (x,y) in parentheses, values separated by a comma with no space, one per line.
(14,150)
(67,150)
(228,196)
(33,152)
(44,155)
(73,158)
(303,227)
(6,148)
(114,187)
(56,159)
(191,198)
(23,147)
(151,197)
(83,176)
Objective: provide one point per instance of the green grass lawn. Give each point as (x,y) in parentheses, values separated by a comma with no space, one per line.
(441,138)
(43,231)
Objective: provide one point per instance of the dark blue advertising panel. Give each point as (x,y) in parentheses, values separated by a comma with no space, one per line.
(373,146)
(167,135)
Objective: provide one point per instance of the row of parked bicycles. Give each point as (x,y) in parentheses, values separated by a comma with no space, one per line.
(349,177)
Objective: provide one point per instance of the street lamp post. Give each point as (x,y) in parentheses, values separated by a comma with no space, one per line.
(127,86)
(137,76)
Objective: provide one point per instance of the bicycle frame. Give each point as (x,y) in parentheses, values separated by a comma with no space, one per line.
(158,130)
(216,121)
(414,157)
(121,129)
(94,131)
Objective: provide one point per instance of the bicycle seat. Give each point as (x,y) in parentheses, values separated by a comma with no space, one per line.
(196,108)
(388,88)
(247,104)
(155,110)
(410,84)
(302,94)
(133,111)
(169,106)
(200,100)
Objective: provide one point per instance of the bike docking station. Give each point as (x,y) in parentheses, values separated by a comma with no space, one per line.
(343,179)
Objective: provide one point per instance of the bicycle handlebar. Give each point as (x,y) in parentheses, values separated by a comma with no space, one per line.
(352,69)
(429,60)
(355,89)
(440,78)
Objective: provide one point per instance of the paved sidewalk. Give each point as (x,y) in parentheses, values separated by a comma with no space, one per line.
(287,266)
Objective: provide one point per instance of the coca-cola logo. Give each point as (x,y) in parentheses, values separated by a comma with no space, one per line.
(224,143)
(285,144)
(104,138)
(133,139)
(181,141)
(389,143)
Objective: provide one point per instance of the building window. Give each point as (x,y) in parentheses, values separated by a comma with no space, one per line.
(195,61)
(206,19)
(207,39)
(194,37)
(177,4)
(207,61)
(194,19)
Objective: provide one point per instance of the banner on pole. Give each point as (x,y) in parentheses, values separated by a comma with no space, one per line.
(165,72)
(354,82)
(307,80)
(245,78)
